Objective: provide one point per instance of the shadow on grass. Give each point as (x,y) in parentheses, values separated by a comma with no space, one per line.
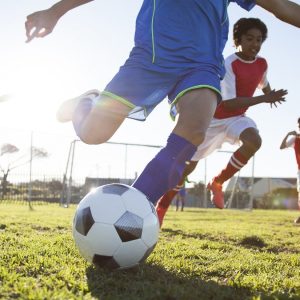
(249,242)
(253,242)
(154,282)
(202,236)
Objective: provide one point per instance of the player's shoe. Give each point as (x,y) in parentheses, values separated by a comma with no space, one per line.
(161,211)
(218,196)
(67,108)
(297,221)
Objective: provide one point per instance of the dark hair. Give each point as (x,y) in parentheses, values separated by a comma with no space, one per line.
(244,24)
(299,120)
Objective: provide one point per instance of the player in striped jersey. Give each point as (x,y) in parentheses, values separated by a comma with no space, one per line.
(292,140)
(245,72)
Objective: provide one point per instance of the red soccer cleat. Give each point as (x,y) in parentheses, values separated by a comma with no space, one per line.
(218,196)
(161,211)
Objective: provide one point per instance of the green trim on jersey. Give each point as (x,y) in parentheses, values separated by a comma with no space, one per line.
(152,32)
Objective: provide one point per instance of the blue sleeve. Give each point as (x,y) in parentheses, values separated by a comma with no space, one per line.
(246,4)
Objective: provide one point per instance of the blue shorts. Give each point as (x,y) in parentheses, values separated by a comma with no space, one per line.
(143,86)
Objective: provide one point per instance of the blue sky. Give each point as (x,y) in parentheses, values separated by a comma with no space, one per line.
(85,50)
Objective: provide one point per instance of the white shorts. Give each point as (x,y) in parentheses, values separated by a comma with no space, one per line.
(221,131)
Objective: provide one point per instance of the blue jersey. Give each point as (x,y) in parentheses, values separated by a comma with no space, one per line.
(184,33)
(178,48)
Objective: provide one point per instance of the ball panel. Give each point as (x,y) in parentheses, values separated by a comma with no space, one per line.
(105,262)
(150,230)
(136,202)
(85,202)
(104,240)
(83,245)
(129,227)
(83,220)
(115,188)
(107,208)
(129,254)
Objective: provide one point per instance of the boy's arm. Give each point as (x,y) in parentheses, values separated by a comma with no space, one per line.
(267,89)
(272,97)
(285,10)
(41,23)
(283,143)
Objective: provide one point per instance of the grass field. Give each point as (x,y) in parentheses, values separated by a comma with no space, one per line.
(201,254)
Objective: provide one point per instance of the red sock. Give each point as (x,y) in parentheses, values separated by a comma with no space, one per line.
(236,162)
(166,199)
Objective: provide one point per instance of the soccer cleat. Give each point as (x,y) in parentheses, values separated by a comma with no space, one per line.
(297,221)
(67,108)
(218,196)
(161,211)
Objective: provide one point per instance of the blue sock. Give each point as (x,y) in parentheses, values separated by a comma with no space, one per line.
(164,171)
(82,110)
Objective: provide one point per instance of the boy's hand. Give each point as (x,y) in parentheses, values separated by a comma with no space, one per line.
(275,97)
(40,24)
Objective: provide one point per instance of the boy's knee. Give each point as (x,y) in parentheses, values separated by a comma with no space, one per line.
(92,139)
(256,142)
(189,168)
(196,137)
(253,142)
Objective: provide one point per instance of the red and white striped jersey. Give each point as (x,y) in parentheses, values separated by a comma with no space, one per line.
(241,79)
(295,143)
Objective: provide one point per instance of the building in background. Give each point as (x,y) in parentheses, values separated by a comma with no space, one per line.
(267,192)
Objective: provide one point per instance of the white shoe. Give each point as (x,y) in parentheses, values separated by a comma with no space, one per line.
(67,108)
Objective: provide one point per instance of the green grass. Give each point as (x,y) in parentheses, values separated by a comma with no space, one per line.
(201,254)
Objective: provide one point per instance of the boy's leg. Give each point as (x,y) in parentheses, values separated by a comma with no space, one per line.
(298,187)
(251,143)
(95,123)
(95,118)
(297,220)
(164,202)
(196,109)
(182,203)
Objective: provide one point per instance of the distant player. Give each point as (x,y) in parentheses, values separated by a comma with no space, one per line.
(245,72)
(180,199)
(292,139)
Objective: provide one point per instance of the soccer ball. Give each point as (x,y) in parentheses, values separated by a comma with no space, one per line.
(115,226)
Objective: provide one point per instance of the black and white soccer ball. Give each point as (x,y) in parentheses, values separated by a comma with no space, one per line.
(115,226)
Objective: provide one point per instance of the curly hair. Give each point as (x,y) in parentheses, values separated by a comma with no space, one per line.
(244,24)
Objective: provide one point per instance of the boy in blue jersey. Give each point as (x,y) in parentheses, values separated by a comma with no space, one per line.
(177,54)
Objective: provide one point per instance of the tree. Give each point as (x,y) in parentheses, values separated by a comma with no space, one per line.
(20,161)
(6,149)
